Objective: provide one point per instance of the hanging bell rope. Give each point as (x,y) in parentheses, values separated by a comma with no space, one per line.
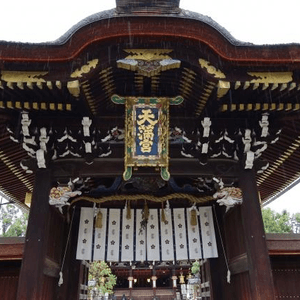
(163,215)
(99,218)
(61,280)
(194,217)
(228,276)
(128,210)
(146,212)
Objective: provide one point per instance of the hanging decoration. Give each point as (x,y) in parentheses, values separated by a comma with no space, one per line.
(163,215)
(128,210)
(99,218)
(207,232)
(175,239)
(145,217)
(85,234)
(113,235)
(147,133)
(127,245)
(100,237)
(194,233)
(194,212)
(166,232)
(192,198)
(152,235)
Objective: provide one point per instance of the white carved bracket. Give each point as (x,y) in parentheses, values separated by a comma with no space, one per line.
(264,124)
(229,197)
(59,196)
(25,123)
(86,123)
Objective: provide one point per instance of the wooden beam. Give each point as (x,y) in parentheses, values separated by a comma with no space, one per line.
(111,167)
(11,248)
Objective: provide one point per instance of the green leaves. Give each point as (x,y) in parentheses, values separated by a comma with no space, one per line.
(13,222)
(101,273)
(195,267)
(275,222)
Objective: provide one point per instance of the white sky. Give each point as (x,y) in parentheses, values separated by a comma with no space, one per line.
(256,21)
(289,201)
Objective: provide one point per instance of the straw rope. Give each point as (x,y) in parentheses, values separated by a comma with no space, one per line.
(146,197)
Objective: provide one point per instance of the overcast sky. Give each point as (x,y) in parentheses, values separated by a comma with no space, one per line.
(256,21)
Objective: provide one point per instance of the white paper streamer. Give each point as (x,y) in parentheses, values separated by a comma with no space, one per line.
(100,237)
(193,238)
(113,242)
(152,236)
(85,234)
(180,234)
(134,240)
(166,234)
(127,249)
(140,238)
(208,232)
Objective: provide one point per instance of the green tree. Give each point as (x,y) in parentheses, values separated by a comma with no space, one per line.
(195,267)
(275,222)
(18,227)
(13,221)
(297,217)
(101,273)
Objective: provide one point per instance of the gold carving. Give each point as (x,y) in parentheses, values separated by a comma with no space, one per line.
(187,82)
(146,132)
(223,88)
(89,97)
(85,68)
(261,107)
(148,54)
(148,62)
(28,198)
(211,69)
(20,76)
(74,88)
(271,77)
(58,84)
(107,81)
(141,128)
(209,87)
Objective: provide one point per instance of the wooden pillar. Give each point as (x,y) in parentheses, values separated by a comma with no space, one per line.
(130,282)
(154,278)
(214,271)
(73,268)
(260,275)
(32,279)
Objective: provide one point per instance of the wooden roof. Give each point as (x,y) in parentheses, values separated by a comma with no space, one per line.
(232,83)
(12,248)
